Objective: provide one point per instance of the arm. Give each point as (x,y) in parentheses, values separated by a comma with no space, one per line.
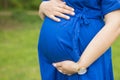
(107,35)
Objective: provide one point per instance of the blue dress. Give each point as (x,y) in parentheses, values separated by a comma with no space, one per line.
(66,40)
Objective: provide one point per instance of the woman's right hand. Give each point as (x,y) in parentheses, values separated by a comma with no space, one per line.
(55,8)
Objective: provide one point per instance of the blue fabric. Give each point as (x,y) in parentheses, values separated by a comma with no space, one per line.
(66,40)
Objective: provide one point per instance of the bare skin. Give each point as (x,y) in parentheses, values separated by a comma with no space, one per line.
(55,8)
(107,35)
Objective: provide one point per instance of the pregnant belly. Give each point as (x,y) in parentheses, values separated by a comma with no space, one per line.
(56,40)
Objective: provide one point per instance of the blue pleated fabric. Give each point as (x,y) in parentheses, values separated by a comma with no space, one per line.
(66,40)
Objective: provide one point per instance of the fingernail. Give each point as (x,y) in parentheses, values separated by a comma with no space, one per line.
(68,17)
(73,9)
(54,64)
(73,13)
(64,2)
(58,20)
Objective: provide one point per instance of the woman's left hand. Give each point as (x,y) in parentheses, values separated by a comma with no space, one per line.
(66,67)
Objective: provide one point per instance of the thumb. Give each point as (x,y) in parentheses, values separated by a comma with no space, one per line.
(57,64)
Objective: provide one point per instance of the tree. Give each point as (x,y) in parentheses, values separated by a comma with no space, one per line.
(4,4)
(19,4)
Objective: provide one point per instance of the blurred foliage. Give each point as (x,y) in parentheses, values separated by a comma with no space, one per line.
(23,16)
(19,4)
(18,46)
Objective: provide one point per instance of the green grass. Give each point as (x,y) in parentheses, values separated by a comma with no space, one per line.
(116,59)
(18,48)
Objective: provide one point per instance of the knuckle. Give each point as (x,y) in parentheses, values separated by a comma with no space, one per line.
(56,13)
(51,16)
(65,6)
(63,10)
(62,15)
(69,12)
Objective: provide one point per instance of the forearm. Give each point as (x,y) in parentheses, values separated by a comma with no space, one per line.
(102,41)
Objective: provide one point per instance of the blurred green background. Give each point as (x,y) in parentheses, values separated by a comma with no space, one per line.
(19,30)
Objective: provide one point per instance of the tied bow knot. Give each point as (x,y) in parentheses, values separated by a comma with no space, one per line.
(82,16)
(81,20)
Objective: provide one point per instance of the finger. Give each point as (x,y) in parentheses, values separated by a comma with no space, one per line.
(42,16)
(57,65)
(69,74)
(62,15)
(62,10)
(54,18)
(59,68)
(60,71)
(66,6)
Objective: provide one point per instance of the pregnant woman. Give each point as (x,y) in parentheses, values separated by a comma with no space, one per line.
(75,44)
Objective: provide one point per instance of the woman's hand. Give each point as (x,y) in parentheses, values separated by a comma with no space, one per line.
(55,8)
(66,67)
